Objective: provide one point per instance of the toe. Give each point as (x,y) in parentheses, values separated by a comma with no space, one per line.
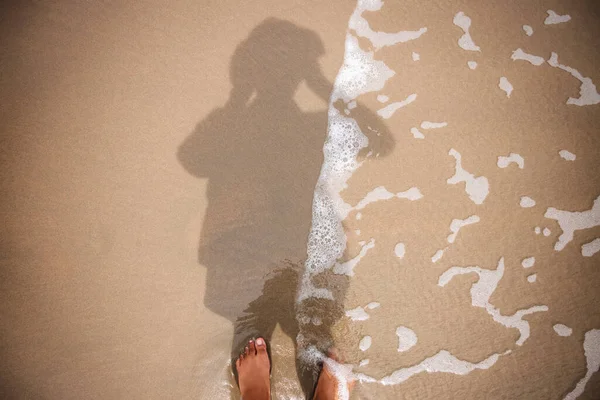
(246,351)
(252,347)
(261,345)
(238,362)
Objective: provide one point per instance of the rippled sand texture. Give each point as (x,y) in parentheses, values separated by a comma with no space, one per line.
(413,183)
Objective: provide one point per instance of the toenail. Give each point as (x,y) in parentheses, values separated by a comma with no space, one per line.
(260,342)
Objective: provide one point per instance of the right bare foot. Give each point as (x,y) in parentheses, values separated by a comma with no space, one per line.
(253,367)
(327,385)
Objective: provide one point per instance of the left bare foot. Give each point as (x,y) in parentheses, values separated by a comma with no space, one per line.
(253,367)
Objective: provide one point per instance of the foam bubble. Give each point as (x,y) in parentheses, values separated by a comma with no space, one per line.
(567,155)
(456,224)
(591,248)
(465,41)
(407,338)
(519,54)
(433,125)
(571,221)
(400,250)
(476,187)
(562,330)
(554,18)
(528,262)
(416,133)
(588,94)
(365,343)
(347,268)
(527,202)
(591,348)
(482,290)
(505,85)
(389,110)
(504,161)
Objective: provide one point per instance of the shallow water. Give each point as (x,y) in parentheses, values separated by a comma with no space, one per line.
(180,178)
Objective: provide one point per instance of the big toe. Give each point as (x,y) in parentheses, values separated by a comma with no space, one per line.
(261,346)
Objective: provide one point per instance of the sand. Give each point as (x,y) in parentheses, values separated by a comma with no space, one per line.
(159,164)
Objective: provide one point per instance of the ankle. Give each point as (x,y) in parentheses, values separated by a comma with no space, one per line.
(256,393)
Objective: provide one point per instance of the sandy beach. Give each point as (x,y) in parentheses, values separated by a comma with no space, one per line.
(415,185)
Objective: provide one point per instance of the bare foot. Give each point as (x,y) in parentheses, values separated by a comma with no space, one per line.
(327,385)
(253,367)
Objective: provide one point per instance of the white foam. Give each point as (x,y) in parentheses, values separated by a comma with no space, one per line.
(382,98)
(359,74)
(443,361)
(415,56)
(364,362)
(358,215)
(365,343)
(437,256)
(389,110)
(532,278)
(519,54)
(465,41)
(504,161)
(571,221)
(591,348)
(433,125)
(505,85)
(400,250)
(357,314)
(546,232)
(537,230)
(528,30)
(407,338)
(378,39)
(381,193)
(416,133)
(562,330)
(357,232)
(588,94)
(528,262)
(567,155)
(352,105)
(472,64)
(591,248)
(347,268)
(554,18)
(476,187)
(527,202)
(456,224)
(482,290)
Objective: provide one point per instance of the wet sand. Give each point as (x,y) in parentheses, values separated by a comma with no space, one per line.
(158,169)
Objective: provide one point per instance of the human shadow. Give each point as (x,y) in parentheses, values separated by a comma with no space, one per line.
(262,157)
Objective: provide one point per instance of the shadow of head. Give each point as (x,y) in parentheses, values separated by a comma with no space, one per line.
(275,58)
